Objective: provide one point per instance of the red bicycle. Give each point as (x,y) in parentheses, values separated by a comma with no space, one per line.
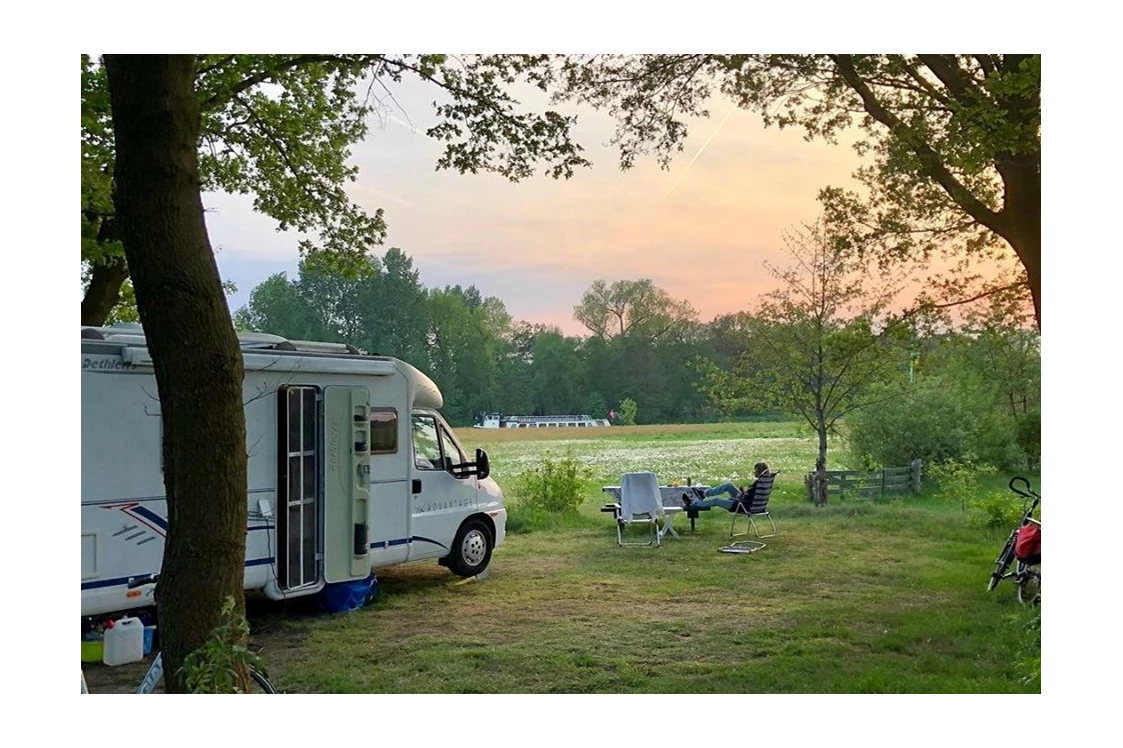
(1022,550)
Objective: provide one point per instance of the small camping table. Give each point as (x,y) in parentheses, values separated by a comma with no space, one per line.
(672,504)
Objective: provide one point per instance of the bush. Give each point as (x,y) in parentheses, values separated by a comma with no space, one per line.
(928,422)
(993,440)
(958,480)
(221,664)
(936,420)
(628,410)
(994,511)
(553,486)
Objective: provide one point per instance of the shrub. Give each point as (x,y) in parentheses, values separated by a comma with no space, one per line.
(553,486)
(958,480)
(628,410)
(220,665)
(994,511)
(928,422)
(993,439)
(937,420)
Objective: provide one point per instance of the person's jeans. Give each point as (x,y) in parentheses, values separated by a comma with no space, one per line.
(727,504)
(727,488)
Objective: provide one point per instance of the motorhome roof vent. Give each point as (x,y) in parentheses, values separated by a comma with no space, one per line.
(126,339)
(313,346)
(89,333)
(124,328)
(251,340)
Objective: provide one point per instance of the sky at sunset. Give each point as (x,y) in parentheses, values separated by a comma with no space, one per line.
(701,230)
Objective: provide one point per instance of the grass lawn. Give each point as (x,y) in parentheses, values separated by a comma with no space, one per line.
(886,597)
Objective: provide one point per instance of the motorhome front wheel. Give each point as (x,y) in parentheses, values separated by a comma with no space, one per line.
(471,551)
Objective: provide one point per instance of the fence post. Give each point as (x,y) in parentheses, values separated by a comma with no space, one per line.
(915,465)
(883,482)
(816,483)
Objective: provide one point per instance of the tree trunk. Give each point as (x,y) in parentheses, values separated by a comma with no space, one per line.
(821,462)
(1026,244)
(191,339)
(104,291)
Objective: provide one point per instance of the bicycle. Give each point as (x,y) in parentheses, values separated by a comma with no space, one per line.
(1026,575)
(156,670)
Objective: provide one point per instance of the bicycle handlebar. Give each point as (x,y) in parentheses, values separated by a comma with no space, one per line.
(1029,493)
(142,580)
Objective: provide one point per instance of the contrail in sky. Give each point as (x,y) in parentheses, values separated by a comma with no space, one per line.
(406,125)
(699,153)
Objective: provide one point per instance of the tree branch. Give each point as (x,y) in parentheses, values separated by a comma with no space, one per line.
(284,154)
(217,64)
(949,73)
(982,295)
(926,85)
(220,98)
(931,163)
(986,64)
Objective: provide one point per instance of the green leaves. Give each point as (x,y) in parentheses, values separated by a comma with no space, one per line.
(483,127)
(554,485)
(220,665)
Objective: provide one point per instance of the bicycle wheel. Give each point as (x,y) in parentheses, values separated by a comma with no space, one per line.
(262,683)
(1003,563)
(1029,584)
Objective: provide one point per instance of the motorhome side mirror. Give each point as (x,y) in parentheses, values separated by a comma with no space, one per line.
(483,465)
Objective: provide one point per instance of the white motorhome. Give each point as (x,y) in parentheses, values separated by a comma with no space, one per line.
(351,468)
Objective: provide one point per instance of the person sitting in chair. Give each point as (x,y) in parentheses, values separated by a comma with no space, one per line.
(707,499)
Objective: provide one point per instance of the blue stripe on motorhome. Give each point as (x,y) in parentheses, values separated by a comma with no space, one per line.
(388,543)
(150,515)
(427,540)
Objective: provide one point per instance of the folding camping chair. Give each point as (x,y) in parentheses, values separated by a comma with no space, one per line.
(758,507)
(641,503)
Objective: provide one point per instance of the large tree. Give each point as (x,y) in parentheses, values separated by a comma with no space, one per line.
(157,110)
(632,308)
(194,349)
(953,141)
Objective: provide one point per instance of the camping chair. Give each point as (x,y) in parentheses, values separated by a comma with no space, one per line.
(640,504)
(758,507)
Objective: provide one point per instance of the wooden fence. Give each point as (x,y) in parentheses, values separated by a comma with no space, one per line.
(859,484)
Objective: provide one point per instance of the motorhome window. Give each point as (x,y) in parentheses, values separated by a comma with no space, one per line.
(426,446)
(451,448)
(383,431)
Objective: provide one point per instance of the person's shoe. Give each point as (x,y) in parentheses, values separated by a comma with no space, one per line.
(699,492)
(686,501)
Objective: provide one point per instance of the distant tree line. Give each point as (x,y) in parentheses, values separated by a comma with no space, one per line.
(483,360)
(646,347)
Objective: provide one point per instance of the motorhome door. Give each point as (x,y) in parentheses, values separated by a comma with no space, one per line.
(346,483)
(298,471)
